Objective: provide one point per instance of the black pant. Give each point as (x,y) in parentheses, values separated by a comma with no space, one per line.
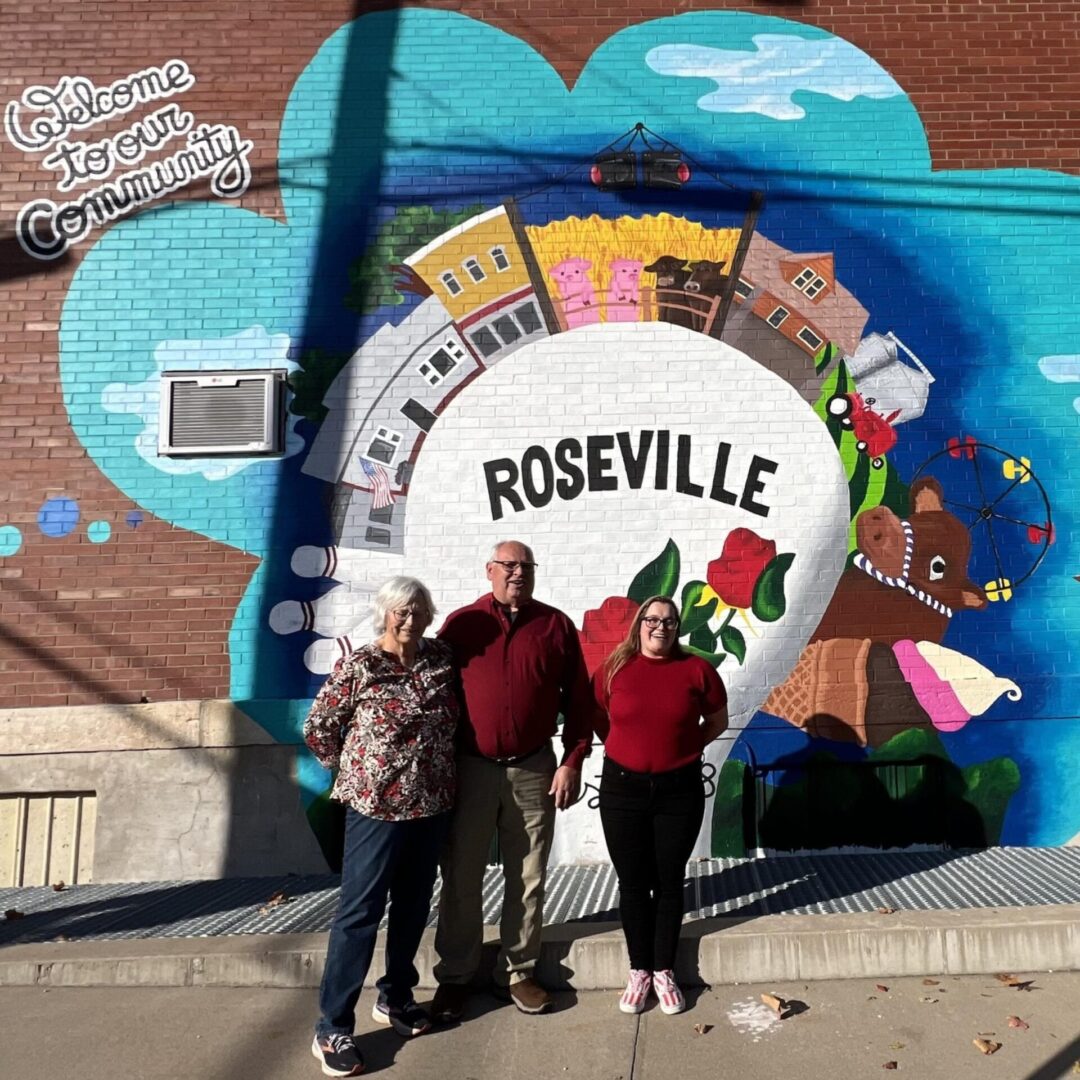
(651,821)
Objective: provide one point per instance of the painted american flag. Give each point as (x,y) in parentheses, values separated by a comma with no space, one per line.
(380,484)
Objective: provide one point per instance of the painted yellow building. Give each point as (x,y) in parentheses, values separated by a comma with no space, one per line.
(473,265)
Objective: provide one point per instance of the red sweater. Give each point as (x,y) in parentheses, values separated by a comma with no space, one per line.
(517,677)
(654,711)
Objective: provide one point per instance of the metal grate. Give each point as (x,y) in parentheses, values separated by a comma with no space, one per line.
(799,885)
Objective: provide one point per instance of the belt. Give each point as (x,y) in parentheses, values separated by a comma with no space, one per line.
(514,759)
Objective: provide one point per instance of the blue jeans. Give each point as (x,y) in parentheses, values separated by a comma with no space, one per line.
(395,859)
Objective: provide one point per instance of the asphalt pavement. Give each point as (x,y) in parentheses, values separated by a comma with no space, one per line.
(842,1030)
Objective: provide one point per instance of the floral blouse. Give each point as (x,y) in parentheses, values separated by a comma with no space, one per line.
(389,731)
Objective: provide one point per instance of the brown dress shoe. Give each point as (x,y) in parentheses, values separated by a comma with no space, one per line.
(448,1004)
(528,995)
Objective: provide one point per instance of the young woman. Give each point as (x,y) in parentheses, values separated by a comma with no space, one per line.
(385,721)
(660,707)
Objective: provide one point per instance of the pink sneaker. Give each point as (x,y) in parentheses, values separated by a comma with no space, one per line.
(668,993)
(637,990)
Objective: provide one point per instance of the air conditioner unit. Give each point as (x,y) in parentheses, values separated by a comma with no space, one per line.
(209,413)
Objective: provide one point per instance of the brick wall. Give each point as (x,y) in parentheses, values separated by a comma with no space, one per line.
(147,613)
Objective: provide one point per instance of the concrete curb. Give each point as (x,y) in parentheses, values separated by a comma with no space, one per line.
(584,956)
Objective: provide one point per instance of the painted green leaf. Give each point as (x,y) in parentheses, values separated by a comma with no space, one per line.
(825,356)
(659,578)
(732,640)
(728,840)
(716,659)
(703,638)
(693,616)
(769,602)
(857,484)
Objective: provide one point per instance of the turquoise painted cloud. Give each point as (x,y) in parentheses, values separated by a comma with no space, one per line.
(765,80)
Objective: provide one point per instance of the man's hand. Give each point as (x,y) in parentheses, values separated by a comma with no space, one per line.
(565,786)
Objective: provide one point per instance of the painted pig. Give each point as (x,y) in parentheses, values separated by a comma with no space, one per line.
(624,293)
(576,291)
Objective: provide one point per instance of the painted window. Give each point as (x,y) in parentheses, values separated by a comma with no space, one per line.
(743,288)
(810,282)
(384,447)
(808,337)
(500,258)
(473,268)
(529,318)
(450,283)
(487,343)
(440,363)
(778,316)
(506,328)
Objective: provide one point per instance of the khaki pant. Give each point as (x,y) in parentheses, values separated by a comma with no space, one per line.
(515,801)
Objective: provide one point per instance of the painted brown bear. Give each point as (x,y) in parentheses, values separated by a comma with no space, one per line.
(908,579)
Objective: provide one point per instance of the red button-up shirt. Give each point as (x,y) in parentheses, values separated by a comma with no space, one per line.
(517,676)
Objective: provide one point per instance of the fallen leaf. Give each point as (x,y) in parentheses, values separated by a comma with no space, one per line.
(275,900)
(777,1004)
(987,1046)
(702,1029)
(886,911)
(880,986)
(1013,981)
(1076,1066)
(928,1000)
(12,914)
(931,982)
(1016,1022)
(59,887)
(896,1046)
(890,1065)
(872,997)
(984,1034)
(61,937)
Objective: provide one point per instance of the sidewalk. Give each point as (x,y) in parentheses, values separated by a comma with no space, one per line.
(794,918)
(843,1031)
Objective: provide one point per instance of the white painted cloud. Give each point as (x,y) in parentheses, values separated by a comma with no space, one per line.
(764,81)
(1062,369)
(251,348)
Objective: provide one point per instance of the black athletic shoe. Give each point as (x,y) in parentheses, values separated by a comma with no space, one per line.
(338,1055)
(408,1019)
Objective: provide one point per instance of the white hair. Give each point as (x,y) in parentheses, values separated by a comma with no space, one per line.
(502,543)
(399,592)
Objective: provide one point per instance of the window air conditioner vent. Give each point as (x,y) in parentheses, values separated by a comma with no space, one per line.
(222,412)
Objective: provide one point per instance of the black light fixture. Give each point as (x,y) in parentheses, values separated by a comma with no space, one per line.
(664,169)
(615,170)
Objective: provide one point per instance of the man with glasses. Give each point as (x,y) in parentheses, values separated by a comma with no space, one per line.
(521,666)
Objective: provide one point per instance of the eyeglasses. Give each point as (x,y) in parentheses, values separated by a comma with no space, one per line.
(653,621)
(510,567)
(404,614)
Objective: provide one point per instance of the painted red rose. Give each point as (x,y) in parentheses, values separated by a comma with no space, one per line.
(604,627)
(734,575)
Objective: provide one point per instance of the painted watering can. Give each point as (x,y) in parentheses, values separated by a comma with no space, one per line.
(888,384)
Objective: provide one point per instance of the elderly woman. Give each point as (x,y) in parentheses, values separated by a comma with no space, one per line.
(385,720)
(659,708)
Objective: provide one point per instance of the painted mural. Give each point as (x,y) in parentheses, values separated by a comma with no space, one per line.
(704,324)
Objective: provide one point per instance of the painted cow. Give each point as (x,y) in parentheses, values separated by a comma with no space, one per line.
(672,275)
(576,291)
(852,682)
(707,280)
(624,293)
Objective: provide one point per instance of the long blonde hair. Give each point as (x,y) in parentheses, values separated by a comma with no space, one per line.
(630,646)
